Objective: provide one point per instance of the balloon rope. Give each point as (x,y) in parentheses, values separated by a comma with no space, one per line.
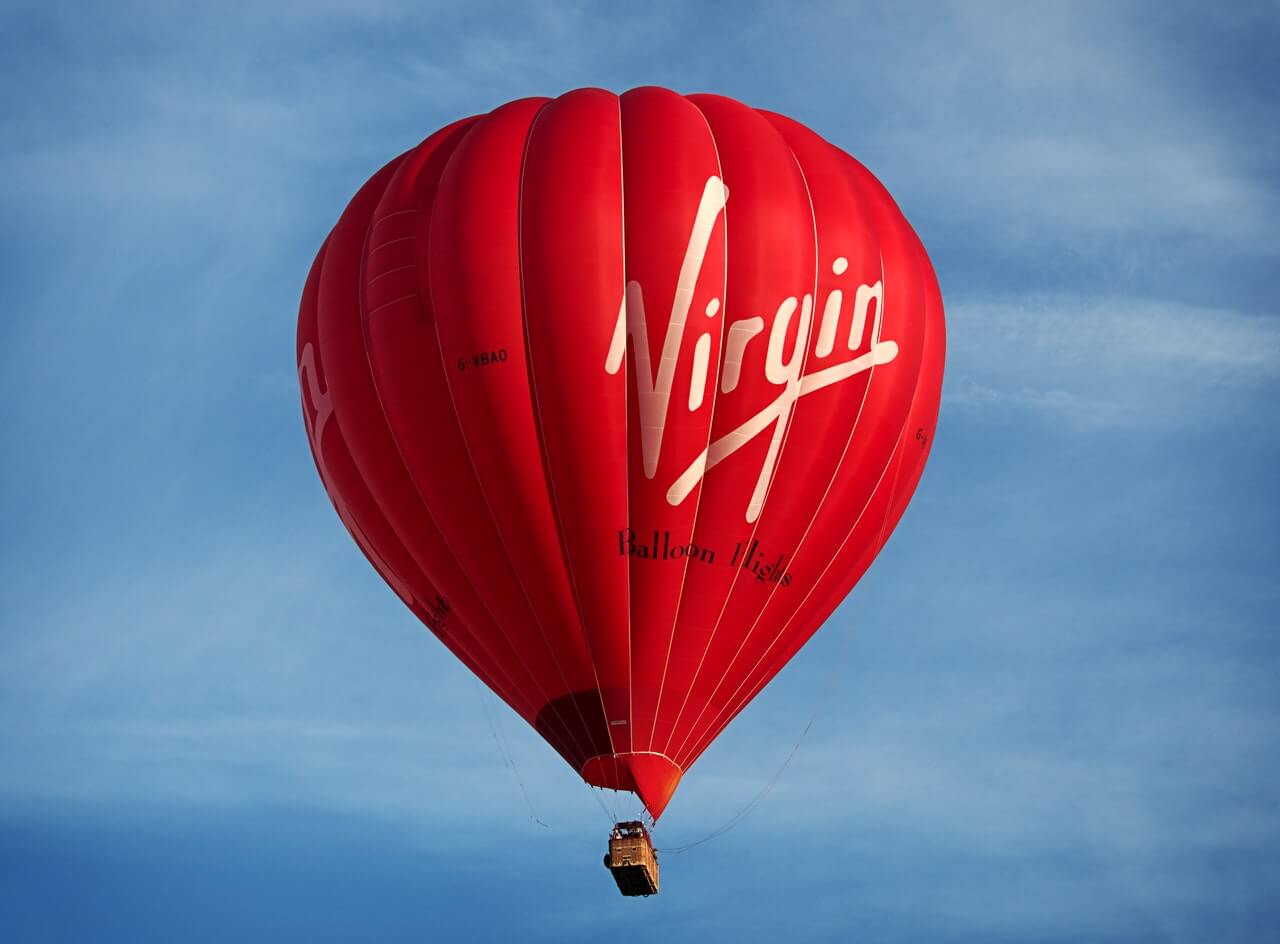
(819,706)
(495,728)
(750,807)
(508,759)
(600,802)
(822,700)
(759,798)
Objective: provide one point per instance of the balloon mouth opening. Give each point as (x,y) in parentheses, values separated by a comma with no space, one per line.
(653,777)
(575,726)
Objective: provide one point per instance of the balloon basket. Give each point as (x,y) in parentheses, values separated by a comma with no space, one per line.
(632,860)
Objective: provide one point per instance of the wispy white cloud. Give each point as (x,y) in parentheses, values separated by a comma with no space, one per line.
(202,675)
(969,395)
(1107,360)
(1093,820)
(1040,126)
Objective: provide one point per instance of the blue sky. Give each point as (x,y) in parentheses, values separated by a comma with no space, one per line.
(1049,712)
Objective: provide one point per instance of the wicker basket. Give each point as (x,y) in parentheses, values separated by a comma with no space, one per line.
(632,859)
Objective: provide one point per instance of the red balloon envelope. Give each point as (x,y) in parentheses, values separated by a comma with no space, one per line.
(622,395)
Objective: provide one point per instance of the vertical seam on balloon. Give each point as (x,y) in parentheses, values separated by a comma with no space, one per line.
(309,360)
(626,436)
(376,506)
(348,519)
(894,460)
(533,685)
(715,396)
(364,482)
(782,629)
(363,313)
(799,545)
(737,572)
(586,730)
(782,445)
(728,713)
(738,706)
(710,433)
(546,470)
(795,553)
(894,456)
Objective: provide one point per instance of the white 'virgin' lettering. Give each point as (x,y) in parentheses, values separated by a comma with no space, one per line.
(654,390)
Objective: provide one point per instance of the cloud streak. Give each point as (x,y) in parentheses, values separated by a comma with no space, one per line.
(1107,361)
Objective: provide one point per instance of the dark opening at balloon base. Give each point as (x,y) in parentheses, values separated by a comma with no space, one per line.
(652,777)
(576,725)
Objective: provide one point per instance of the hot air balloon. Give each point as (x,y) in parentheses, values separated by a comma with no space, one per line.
(622,395)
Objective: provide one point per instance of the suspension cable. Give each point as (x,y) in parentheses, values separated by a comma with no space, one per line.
(747,810)
(508,759)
